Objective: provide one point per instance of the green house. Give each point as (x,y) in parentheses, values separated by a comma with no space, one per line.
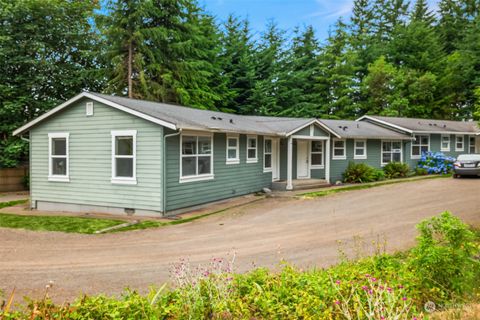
(110,154)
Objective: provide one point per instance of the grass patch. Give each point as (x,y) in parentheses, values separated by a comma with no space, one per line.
(12,203)
(327,192)
(56,223)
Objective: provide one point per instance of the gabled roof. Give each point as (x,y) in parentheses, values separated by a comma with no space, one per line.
(416,125)
(178,117)
(363,130)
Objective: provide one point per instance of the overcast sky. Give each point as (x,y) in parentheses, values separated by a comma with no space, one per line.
(322,14)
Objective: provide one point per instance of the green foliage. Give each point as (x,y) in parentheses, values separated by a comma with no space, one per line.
(445,256)
(396,170)
(54,223)
(421,171)
(361,172)
(441,265)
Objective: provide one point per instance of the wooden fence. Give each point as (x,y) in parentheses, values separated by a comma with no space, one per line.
(12,179)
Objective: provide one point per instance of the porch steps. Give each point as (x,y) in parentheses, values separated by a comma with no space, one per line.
(300,184)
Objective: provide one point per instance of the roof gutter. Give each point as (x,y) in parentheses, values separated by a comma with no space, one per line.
(164,176)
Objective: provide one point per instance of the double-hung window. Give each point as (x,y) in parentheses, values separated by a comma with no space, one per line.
(316,154)
(124,156)
(196,155)
(267,155)
(420,145)
(233,156)
(445,146)
(339,149)
(58,162)
(391,151)
(471,145)
(459,143)
(360,149)
(252,149)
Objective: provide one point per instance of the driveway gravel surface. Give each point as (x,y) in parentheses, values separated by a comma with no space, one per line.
(303,232)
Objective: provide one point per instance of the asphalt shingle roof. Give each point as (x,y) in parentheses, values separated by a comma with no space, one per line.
(429,125)
(197,119)
(362,130)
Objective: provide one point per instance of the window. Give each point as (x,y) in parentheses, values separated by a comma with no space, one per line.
(196,161)
(339,149)
(124,153)
(471,145)
(267,155)
(458,143)
(316,154)
(420,144)
(58,165)
(445,142)
(252,149)
(391,151)
(232,150)
(360,149)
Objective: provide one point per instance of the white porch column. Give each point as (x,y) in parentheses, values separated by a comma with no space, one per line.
(289,163)
(327,160)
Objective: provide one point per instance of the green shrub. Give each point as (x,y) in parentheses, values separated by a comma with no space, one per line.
(421,171)
(444,258)
(361,172)
(396,170)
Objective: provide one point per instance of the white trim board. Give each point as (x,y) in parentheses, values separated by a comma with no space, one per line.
(98,99)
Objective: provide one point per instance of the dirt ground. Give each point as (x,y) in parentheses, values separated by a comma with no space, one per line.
(302,232)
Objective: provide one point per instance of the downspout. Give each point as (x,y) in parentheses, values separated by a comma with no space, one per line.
(164,203)
(24,139)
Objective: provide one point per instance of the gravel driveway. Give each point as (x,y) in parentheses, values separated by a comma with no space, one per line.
(304,232)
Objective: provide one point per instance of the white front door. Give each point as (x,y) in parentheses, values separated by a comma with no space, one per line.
(302,160)
(275,160)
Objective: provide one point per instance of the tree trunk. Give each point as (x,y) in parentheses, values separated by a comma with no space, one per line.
(129,63)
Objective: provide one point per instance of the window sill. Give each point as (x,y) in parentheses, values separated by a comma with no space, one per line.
(235,161)
(266,170)
(459,150)
(317,167)
(252,160)
(339,158)
(196,178)
(360,158)
(415,157)
(58,179)
(123,181)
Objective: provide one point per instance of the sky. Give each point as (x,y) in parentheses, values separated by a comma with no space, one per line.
(321,14)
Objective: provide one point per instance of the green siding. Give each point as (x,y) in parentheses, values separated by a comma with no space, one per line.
(229,180)
(435,144)
(337,167)
(90,159)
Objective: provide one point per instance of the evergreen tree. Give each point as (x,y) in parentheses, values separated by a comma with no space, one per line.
(237,64)
(297,94)
(336,81)
(162,50)
(269,59)
(48,50)
(422,13)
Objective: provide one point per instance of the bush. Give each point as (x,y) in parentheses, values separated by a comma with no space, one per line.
(444,258)
(421,171)
(436,163)
(396,170)
(361,172)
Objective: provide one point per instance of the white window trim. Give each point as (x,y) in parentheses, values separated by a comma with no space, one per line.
(51,176)
(382,164)
(271,154)
(419,145)
(470,145)
(237,149)
(201,177)
(344,157)
(317,166)
(252,160)
(364,155)
(124,180)
(456,142)
(441,142)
